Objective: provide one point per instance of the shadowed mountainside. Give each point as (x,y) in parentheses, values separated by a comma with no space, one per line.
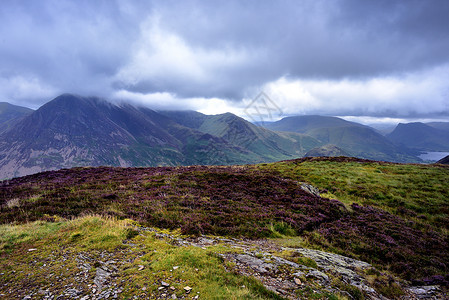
(421,136)
(10,114)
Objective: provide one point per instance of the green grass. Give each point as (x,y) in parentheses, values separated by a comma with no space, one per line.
(57,245)
(419,193)
(406,235)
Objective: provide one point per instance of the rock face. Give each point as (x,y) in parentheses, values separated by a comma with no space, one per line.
(342,266)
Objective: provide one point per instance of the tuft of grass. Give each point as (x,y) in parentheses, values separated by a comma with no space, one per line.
(298,258)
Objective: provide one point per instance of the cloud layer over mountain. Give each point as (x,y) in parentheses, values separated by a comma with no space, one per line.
(345,57)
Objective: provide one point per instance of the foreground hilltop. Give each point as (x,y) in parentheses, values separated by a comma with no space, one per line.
(388,222)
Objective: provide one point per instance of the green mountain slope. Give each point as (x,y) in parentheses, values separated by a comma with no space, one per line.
(269,145)
(304,124)
(355,139)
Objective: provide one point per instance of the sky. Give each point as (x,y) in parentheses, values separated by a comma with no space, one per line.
(371,61)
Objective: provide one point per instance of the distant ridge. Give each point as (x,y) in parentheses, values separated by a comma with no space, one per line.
(353,138)
(420,136)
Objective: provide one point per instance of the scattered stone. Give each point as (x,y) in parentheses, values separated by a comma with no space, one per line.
(141,267)
(188,289)
(175,267)
(172,288)
(32,249)
(298,281)
(174,296)
(101,276)
(164,284)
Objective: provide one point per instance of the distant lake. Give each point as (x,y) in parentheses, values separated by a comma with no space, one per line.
(433,156)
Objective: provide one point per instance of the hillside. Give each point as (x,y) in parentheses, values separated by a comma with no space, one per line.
(421,136)
(393,216)
(444,160)
(10,113)
(439,125)
(355,139)
(267,143)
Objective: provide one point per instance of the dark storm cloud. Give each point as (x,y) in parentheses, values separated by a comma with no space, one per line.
(222,49)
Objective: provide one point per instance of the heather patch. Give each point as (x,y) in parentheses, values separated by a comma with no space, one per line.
(398,228)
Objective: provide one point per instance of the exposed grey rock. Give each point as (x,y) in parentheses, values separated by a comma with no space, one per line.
(255,263)
(101,276)
(322,277)
(73,292)
(299,274)
(426,292)
(282,261)
(340,265)
(310,189)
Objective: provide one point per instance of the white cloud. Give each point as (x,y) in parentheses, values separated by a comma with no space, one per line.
(424,92)
(163,59)
(168,101)
(24,91)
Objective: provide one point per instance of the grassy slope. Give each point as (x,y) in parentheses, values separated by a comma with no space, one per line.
(404,230)
(418,193)
(143,263)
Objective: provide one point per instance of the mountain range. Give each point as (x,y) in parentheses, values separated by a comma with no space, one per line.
(72,130)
